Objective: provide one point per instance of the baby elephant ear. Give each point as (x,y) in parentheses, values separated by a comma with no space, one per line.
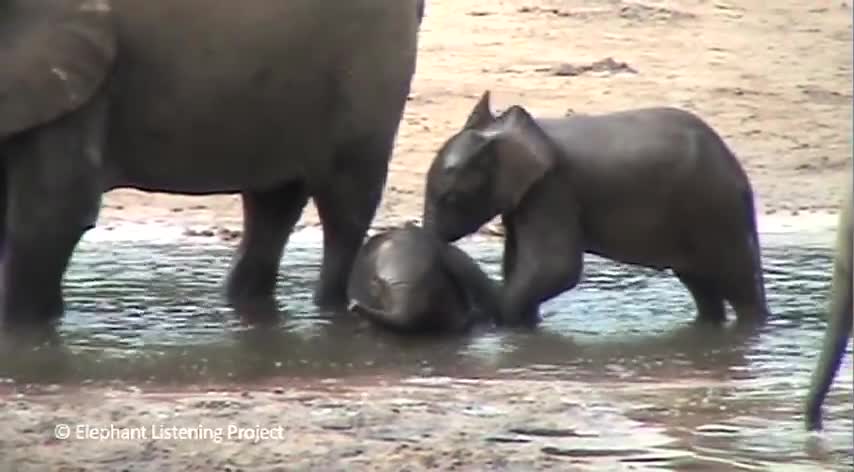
(55,54)
(481,115)
(524,155)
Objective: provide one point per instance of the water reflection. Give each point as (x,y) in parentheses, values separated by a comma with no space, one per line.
(143,311)
(155,310)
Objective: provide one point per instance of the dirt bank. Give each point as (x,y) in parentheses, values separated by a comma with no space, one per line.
(773,77)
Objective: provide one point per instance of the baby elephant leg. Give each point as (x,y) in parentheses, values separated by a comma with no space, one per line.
(547,260)
(743,282)
(707,298)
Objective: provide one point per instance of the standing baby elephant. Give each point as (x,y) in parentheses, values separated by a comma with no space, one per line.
(839,318)
(655,187)
(411,282)
(278,100)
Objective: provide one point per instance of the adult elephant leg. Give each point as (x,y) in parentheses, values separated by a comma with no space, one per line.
(35,261)
(53,196)
(269,217)
(346,202)
(709,302)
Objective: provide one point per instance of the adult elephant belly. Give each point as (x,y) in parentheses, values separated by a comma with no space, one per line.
(211,98)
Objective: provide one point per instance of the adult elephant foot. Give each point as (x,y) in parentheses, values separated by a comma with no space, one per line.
(31,274)
(269,218)
(31,279)
(31,283)
(346,205)
(37,248)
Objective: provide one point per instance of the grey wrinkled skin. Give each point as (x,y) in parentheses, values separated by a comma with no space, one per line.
(278,100)
(407,280)
(655,187)
(839,318)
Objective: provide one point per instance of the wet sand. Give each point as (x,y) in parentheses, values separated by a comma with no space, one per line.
(451,425)
(382,424)
(774,78)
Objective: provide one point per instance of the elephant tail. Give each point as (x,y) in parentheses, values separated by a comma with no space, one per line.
(839,323)
(835,342)
(756,248)
(419,10)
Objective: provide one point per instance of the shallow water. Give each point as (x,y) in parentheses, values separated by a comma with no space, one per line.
(140,310)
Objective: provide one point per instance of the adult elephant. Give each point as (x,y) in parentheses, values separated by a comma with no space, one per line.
(278,100)
(840,318)
(655,187)
(407,280)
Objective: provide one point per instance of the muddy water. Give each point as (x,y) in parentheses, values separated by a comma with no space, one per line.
(150,310)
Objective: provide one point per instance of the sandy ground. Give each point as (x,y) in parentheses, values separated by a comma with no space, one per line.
(390,424)
(440,425)
(774,77)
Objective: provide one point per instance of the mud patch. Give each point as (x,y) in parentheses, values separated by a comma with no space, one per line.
(822,96)
(632,11)
(607,66)
(642,12)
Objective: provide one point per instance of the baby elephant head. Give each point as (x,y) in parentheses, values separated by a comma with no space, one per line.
(484,170)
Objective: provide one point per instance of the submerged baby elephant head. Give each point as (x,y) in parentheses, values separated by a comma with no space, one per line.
(399,281)
(484,170)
